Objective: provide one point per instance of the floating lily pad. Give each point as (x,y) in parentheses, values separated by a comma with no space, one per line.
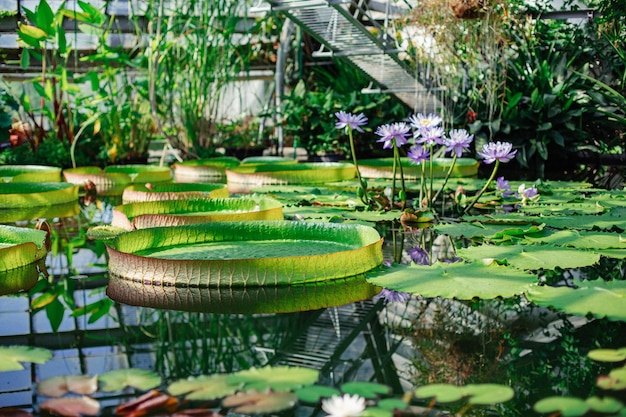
(115,178)
(608,355)
(566,406)
(173,191)
(488,394)
(277,378)
(29,173)
(314,393)
(121,378)
(231,254)
(20,246)
(442,393)
(253,402)
(531,257)
(613,219)
(302,173)
(11,356)
(615,380)
(599,298)
(71,406)
(18,279)
(456,280)
(179,212)
(203,387)
(243,300)
(383,168)
(58,386)
(19,195)
(202,170)
(490,231)
(12,215)
(582,239)
(363,389)
(268,160)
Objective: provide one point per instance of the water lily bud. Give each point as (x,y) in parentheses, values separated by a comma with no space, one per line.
(360,192)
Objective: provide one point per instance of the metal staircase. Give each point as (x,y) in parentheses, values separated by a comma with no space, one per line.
(347,30)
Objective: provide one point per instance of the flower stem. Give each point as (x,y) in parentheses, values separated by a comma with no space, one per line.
(493,175)
(396,155)
(445,181)
(393,174)
(429,192)
(364,198)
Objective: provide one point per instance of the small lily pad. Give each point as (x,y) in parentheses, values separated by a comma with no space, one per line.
(254,402)
(280,378)
(203,387)
(567,406)
(121,378)
(392,404)
(60,385)
(442,393)
(368,390)
(488,394)
(615,380)
(608,355)
(314,393)
(11,356)
(605,405)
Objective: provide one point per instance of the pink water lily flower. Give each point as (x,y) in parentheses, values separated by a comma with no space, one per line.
(497,151)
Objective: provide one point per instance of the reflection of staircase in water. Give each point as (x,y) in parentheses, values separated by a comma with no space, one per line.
(344,343)
(347,30)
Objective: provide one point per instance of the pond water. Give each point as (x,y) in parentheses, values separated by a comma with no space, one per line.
(94,323)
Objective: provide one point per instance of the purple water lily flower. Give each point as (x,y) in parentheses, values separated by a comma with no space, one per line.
(419,256)
(430,136)
(417,154)
(422,121)
(392,296)
(498,151)
(458,141)
(389,133)
(503,188)
(349,120)
(527,194)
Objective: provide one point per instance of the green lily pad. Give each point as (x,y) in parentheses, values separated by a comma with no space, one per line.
(488,394)
(11,356)
(377,412)
(531,257)
(179,212)
(201,170)
(608,355)
(442,393)
(383,168)
(138,193)
(605,405)
(456,280)
(495,231)
(203,387)
(253,402)
(235,254)
(278,378)
(615,380)
(29,173)
(20,246)
(18,279)
(392,404)
(599,298)
(567,406)
(19,195)
(369,390)
(115,178)
(121,378)
(314,393)
(614,218)
(582,239)
(302,173)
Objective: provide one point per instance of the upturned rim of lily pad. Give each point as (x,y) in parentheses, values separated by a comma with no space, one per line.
(383,168)
(29,173)
(138,255)
(23,195)
(300,173)
(138,193)
(20,246)
(114,178)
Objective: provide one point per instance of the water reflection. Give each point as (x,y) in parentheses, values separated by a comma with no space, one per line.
(247,300)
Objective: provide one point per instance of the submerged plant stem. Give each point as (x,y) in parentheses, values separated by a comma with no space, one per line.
(493,175)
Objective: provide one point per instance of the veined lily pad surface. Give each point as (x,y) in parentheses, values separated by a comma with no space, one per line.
(268,160)
(302,173)
(29,173)
(237,254)
(14,195)
(115,177)
(244,300)
(383,168)
(20,246)
(10,215)
(173,191)
(179,212)
(209,169)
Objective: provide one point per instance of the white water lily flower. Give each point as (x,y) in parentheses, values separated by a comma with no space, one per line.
(344,406)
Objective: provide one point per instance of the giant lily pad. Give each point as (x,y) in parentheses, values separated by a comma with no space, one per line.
(457,280)
(245,300)
(20,246)
(231,254)
(173,191)
(179,212)
(18,279)
(200,170)
(115,177)
(13,215)
(29,173)
(599,298)
(383,168)
(304,173)
(14,195)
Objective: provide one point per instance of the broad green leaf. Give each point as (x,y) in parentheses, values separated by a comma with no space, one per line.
(11,356)
(582,239)
(203,387)
(369,390)
(531,257)
(302,173)
(27,195)
(280,378)
(253,402)
(488,394)
(442,393)
(55,311)
(314,393)
(599,298)
(615,380)
(606,405)
(392,404)
(608,355)
(28,33)
(498,231)
(45,17)
(20,246)
(456,280)
(121,378)
(567,406)
(377,412)
(614,218)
